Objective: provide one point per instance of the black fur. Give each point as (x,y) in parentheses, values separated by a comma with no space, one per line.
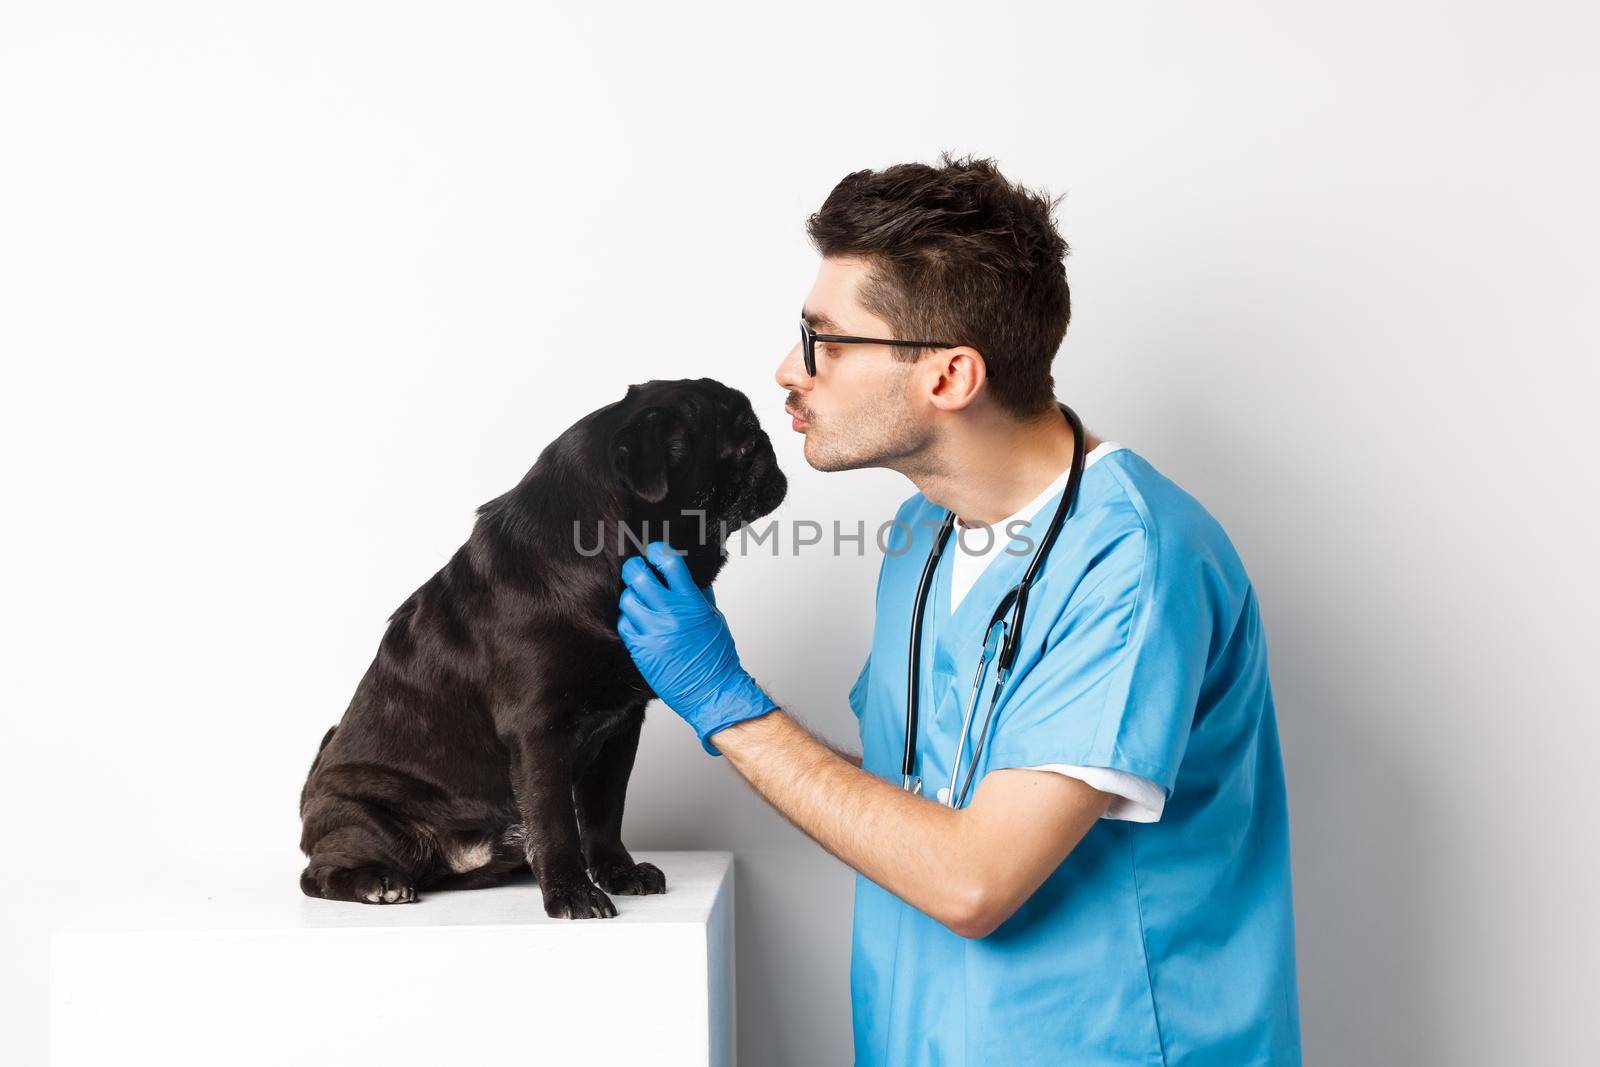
(496,728)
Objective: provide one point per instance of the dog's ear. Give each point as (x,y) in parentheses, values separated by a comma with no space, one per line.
(639,454)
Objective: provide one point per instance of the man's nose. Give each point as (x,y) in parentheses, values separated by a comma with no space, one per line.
(791,373)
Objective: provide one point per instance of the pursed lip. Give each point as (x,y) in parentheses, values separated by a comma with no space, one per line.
(795,416)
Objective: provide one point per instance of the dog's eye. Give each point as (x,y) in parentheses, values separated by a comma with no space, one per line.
(747,449)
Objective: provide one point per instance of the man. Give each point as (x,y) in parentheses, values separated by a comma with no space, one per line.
(1115,887)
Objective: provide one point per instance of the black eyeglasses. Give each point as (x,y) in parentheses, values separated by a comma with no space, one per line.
(810,337)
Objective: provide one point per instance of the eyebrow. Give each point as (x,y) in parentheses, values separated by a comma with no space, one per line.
(820,322)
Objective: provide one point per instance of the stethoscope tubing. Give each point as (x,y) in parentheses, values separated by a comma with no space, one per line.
(972,706)
(1015,600)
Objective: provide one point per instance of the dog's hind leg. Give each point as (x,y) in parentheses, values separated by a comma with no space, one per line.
(360,862)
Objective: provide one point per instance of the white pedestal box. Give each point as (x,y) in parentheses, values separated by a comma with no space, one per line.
(257,973)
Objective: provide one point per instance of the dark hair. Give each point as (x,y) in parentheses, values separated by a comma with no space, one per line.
(958,254)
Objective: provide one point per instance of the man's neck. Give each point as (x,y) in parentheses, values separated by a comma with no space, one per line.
(990,465)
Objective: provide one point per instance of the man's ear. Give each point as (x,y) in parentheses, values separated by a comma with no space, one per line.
(639,454)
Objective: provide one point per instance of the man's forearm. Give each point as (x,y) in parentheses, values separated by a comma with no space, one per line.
(907,844)
(852,758)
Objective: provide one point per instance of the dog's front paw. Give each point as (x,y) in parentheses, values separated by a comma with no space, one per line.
(577,901)
(629,878)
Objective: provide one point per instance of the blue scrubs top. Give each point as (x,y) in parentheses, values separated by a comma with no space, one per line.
(1142,650)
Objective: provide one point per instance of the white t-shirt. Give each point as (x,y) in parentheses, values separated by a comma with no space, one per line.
(1136,799)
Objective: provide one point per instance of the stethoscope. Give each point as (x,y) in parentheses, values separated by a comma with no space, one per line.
(1010,629)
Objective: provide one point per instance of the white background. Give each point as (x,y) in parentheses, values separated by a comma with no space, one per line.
(287,290)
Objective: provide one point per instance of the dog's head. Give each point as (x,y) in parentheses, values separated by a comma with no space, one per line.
(690,451)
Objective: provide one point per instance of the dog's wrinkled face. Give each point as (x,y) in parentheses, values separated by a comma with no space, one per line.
(693,447)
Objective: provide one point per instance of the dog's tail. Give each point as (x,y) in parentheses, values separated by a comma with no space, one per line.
(311,775)
(325,739)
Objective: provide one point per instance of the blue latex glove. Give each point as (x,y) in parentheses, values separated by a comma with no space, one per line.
(681,644)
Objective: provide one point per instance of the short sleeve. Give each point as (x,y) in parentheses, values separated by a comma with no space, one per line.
(1117,678)
(1134,799)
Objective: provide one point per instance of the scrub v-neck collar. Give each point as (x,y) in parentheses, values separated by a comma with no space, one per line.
(956,636)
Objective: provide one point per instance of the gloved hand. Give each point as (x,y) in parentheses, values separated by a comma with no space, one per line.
(681,644)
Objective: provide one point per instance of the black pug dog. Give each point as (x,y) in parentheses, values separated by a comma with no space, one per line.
(497,725)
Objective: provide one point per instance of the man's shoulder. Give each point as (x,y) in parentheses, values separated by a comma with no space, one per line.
(1134,508)
(1126,504)
(1141,523)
